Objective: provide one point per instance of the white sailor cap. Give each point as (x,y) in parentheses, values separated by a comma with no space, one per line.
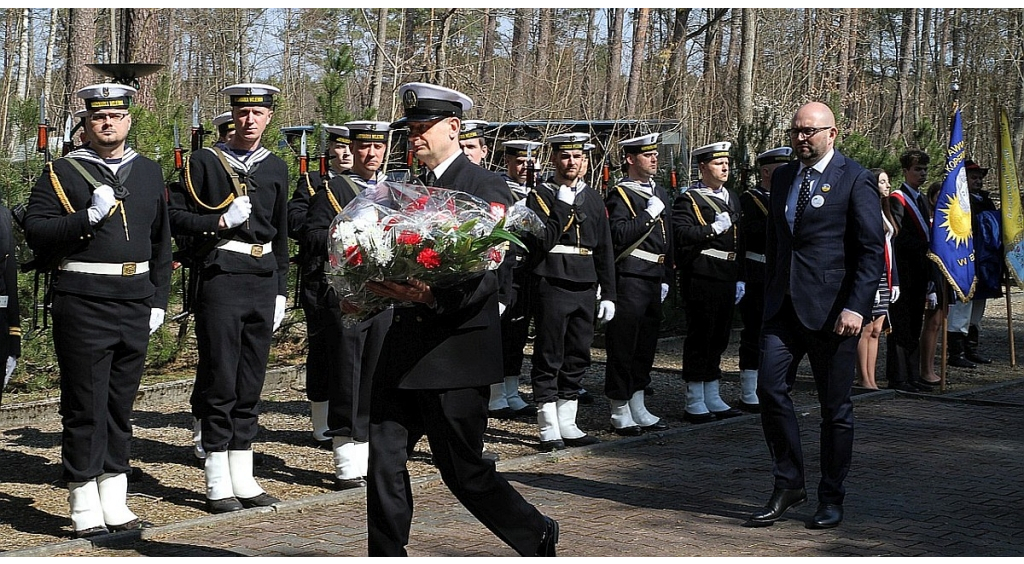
(775,156)
(711,152)
(80,114)
(224,123)
(107,96)
(472,129)
(642,144)
(369,131)
(427,102)
(587,147)
(337,133)
(568,141)
(521,148)
(251,94)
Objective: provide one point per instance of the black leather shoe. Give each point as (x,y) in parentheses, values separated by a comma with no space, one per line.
(698,418)
(585,440)
(828,516)
(632,431)
(960,362)
(326,444)
(654,427)
(727,414)
(585,398)
(503,413)
(550,538)
(975,357)
(526,411)
(550,446)
(750,407)
(341,484)
(226,505)
(780,502)
(262,500)
(926,386)
(132,525)
(91,532)
(905,387)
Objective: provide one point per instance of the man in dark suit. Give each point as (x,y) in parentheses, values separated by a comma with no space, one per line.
(439,358)
(823,261)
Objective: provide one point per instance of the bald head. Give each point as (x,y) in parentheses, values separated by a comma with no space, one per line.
(813,132)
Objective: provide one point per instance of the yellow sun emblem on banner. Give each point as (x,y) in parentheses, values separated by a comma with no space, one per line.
(957,220)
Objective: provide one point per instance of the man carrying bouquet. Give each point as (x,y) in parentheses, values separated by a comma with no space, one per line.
(439,358)
(575,258)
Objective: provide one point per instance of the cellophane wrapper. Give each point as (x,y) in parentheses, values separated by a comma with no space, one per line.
(397,231)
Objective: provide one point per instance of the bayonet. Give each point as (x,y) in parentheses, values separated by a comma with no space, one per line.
(197,128)
(67,145)
(179,153)
(303,154)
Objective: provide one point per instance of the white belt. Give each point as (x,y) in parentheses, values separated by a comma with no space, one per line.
(756,257)
(106,268)
(724,255)
(649,257)
(570,250)
(245,248)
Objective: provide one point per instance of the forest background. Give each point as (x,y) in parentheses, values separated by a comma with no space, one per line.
(699,75)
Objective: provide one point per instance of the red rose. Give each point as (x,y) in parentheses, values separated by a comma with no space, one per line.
(352,256)
(429,258)
(419,203)
(409,238)
(495,254)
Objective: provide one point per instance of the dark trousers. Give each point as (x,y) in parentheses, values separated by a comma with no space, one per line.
(234,325)
(353,353)
(101,351)
(785,341)
(752,312)
(564,323)
(631,337)
(709,311)
(454,422)
(319,327)
(515,325)
(906,316)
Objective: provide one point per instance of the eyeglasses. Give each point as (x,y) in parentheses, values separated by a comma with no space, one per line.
(116,117)
(806,132)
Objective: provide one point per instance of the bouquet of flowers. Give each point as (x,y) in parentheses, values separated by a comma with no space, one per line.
(395,231)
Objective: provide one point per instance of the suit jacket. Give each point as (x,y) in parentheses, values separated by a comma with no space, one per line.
(910,245)
(834,259)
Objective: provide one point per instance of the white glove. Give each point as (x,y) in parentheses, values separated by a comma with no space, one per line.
(279,311)
(878,297)
(655,206)
(566,194)
(722,223)
(895,294)
(102,200)
(239,211)
(606,311)
(598,297)
(741,290)
(501,309)
(664,291)
(931,301)
(156,319)
(11,363)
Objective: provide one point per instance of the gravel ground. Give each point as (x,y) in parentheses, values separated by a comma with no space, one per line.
(167,485)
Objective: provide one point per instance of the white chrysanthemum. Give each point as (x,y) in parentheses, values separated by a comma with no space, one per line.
(377,244)
(345,232)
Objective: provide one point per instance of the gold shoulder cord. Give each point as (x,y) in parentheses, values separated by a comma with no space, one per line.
(334,201)
(309,186)
(540,201)
(757,201)
(696,211)
(59,190)
(626,199)
(192,191)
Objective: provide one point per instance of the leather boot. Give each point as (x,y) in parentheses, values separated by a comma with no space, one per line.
(971,347)
(955,349)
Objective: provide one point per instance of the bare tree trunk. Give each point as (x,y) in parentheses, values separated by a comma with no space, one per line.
(809,52)
(676,69)
(611,109)
(1017,111)
(81,50)
(542,85)
(442,41)
(24,53)
(143,45)
(519,70)
(745,100)
(633,102)
(378,60)
(907,40)
(922,63)
(588,90)
(48,64)
(846,51)
(490,39)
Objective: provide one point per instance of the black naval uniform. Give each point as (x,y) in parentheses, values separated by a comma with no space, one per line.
(350,351)
(753,225)
(433,378)
(10,319)
(515,323)
(101,321)
(575,257)
(708,279)
(631,338)
(237,289)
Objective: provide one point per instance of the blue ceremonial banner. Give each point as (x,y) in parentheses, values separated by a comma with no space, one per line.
(952,244)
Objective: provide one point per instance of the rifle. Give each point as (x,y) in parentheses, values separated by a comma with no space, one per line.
(43,133)
(197,128)
(303,155)
(42,146)
(531,173)
(67,144)
(179,152)
(325,157)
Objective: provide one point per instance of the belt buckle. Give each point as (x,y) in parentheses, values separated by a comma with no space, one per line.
(129,268)
(256,251)
(584,252)
(661,259)
(730,256)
